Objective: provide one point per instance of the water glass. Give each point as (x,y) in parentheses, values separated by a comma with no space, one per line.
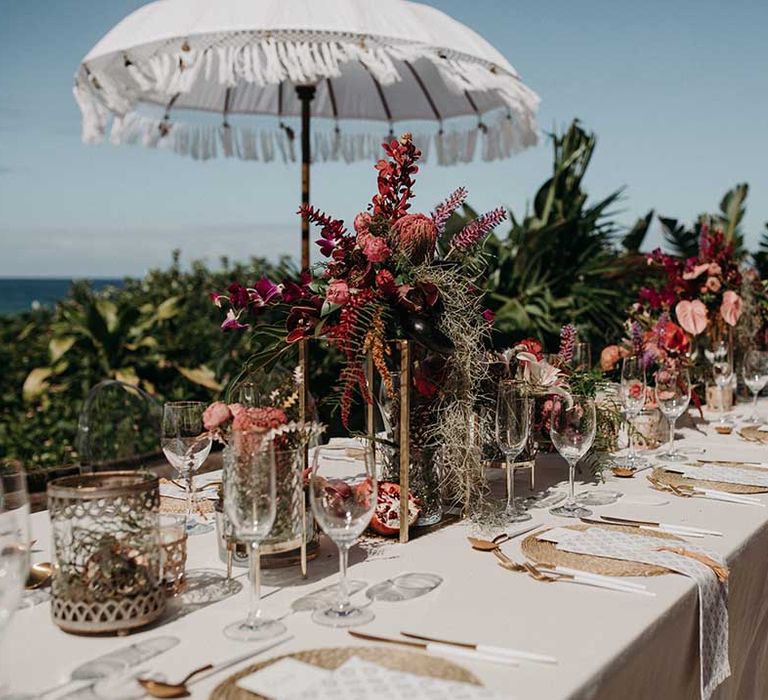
(250,503)
(722,370)
(14,553)
(755,370)
(673,394)
(632,395)
(342,494)
(572,430)
(513,422)
(186,445)
(173,542)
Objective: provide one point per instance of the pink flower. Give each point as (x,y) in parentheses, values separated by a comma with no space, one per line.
(385,281)
(361,223)
(697,271)
(216,415)
(489,316)
(375,249)
(609,357)
(692,316)
(416,235)
(730,309)
(713,284)
(714,269)
(232,321)
(338,292)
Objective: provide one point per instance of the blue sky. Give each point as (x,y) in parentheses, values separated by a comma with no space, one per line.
(677,93)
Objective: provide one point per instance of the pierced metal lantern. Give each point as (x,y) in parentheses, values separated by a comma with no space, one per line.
(107,570)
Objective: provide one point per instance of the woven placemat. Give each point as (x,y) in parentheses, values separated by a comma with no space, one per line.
(332,658)
(753,433)
(665,477)
(547,553)
(178,506)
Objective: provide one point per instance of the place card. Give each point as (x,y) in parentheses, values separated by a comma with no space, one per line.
(282,679)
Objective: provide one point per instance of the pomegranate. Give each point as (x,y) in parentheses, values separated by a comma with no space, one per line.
(386,517)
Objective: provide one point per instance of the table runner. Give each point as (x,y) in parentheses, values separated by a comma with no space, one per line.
(713,594)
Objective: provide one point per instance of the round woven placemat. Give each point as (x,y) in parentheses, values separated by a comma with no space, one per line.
(665,477)
(547,553)
(331,659)
(178,506)
(754,434)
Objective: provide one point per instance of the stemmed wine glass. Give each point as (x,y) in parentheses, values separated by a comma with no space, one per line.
(722,369)
(342,494)
(572,430)
(513,420)
(673,394)
(755,371)
(250,503)
(186,444)
(632,394)
(582,356)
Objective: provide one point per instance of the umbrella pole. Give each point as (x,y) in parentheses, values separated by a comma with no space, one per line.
(306,94)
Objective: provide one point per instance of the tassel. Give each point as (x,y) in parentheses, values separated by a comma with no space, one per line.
(720,570)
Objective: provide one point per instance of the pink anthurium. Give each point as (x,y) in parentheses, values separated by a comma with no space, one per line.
(730,309)
(692,316)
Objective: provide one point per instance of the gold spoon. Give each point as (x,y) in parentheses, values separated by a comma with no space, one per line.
(158,689)
(623,472)
(39,575)
(483,545)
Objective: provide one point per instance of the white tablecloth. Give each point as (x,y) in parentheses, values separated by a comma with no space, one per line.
(609,644)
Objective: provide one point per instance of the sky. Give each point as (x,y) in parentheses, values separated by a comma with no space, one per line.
(677,93)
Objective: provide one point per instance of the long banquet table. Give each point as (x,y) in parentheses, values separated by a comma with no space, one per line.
(609,644)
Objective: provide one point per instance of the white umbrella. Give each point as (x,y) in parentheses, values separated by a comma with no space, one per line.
(365,60)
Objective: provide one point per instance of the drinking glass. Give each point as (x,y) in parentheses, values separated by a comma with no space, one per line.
(186,444)
(722,370)
(250,503)
(582,356)
(673,394)
(632,395)
(342,493)
(755,370)
(14,554)
(572,430)
(513,421)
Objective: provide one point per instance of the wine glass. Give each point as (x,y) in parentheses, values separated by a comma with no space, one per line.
(673,394)
(342,493)
(572,429)
(632,395)
(186,444)
(582,356)
(513,421)
(755,370)
(250,503)
(722,370)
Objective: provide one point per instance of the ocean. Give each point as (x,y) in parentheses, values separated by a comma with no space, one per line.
(25,293)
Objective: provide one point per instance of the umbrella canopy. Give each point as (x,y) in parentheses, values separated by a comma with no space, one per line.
(368,60)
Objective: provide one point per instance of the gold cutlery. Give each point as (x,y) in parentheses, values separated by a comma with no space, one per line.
(40,575)
(159,689)
(485,648)
(489,545)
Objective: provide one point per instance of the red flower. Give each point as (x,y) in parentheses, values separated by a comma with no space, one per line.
(673,339)
(532,346)
(301,322)
(361,223)
(418,298)
(417,235)
(385,281)
(489,316)
(338,292)
(375,249)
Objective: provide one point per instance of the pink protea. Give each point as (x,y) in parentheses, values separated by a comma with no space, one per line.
(417,236)
(375,249)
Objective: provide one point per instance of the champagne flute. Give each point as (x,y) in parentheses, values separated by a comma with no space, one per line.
(572,429)
(513,420)
(722,369)
(14,555)
(250,503)
(342,493)
(673,394)
(755,372)
(186,445)
(632,394)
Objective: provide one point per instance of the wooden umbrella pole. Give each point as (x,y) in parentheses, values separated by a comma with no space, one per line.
(306,94)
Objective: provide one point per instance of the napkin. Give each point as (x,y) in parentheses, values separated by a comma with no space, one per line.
(731,475)
(357,678)
(713,595)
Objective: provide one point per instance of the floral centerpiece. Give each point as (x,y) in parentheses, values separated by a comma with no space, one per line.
(395,275)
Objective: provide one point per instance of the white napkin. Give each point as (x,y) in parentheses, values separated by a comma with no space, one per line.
(713,595)
(731,475)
